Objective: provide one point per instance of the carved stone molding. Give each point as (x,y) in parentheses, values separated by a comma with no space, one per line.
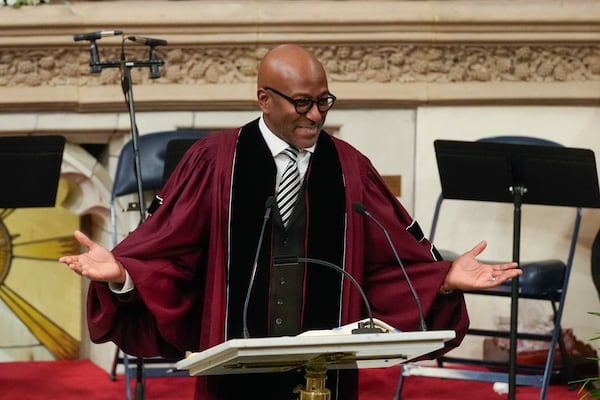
(400,52)
(350,63)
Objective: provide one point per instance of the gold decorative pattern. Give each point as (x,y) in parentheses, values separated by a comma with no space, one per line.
(62,345)
(42,294)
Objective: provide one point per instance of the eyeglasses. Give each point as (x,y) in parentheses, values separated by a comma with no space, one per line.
(304,104)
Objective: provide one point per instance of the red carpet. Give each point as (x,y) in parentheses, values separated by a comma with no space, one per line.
(79,380)
(83,380)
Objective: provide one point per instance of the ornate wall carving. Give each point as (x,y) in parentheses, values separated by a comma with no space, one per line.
(397,63)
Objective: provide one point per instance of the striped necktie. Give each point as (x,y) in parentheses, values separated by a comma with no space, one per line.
(289,186)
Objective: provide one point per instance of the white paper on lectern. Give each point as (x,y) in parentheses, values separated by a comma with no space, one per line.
(340,349)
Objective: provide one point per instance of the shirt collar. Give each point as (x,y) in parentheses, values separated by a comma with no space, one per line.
(276,144)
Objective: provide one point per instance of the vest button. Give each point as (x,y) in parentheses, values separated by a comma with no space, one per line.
(278,321)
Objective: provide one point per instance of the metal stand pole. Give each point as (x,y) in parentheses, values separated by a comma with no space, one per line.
(518,191)
(135,137)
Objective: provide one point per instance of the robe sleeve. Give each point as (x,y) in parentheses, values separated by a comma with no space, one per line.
(164,257)
(387,287)
(374,263)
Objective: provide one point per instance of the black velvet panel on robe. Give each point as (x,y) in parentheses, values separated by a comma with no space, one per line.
(253,183)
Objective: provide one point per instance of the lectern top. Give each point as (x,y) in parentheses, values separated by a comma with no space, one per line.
(339,349)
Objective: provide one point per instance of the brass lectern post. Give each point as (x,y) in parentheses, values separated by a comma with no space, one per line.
(316,373)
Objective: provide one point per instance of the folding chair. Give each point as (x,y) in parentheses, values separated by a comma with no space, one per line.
(152,149)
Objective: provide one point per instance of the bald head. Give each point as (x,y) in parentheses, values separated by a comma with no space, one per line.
(289,74)
(290,64)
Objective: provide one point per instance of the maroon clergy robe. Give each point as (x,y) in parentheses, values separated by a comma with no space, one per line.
(179,261)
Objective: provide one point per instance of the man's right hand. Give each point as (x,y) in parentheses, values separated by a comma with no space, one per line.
(97,263)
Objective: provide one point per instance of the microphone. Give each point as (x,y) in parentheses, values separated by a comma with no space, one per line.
(154,67)
(361,209)
(281,261)
(95,35)
(95,66)
(268,206)
(147,41)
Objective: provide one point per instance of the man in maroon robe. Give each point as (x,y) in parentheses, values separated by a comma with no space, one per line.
(179,281)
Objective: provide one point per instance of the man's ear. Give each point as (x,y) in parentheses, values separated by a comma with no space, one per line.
(264,101)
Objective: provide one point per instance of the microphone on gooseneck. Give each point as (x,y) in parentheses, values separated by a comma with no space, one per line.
(282,261)
(268,206)
(361,209)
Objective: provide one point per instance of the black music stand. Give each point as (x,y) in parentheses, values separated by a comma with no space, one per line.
(30,170)
(517,173)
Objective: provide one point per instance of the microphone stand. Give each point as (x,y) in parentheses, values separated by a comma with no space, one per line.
(153,63)
(127,86)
